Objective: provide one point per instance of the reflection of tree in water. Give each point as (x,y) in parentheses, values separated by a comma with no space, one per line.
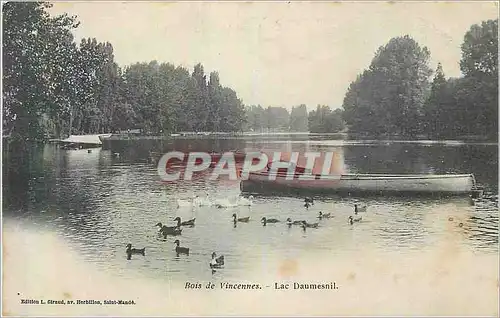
(439,159)
(481,160)
(24,178)
(393,158)
(47,184)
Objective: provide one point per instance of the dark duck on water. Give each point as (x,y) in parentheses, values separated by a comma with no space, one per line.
(289,222)
(179,249)
(217,262)
(169,230)
(265,220)
(324,215)
(352,220)
(237,219)
(359,208)
(310,225)
(130,250)
(185,223)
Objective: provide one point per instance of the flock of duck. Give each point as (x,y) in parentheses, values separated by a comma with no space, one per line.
(218,261)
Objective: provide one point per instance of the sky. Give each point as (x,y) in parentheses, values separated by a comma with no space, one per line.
(277,53)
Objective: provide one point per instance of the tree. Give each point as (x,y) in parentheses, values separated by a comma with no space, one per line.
(479,64)
(201,107)
(389,96)
(299,119)
(277,118)
(98,86)
(324,120)
(215,98)
(255,118)
(434,108)
(480,50)
(38,68)
(52,86)
(233,116)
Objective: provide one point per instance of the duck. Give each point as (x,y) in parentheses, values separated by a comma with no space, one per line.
(311,225)
(130,250)
(265,220)
(216,262)
(245,201)
(236,219)
(359,209)
(352,220)
(185,223)
(169,230)
(324,215)
(179,249)
(290,222)
(303,226)
(197,201)
(309,200)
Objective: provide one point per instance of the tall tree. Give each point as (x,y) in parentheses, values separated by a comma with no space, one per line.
(299,119)
(480,50)
(324,120)
(434,107)
(256,118)
(98,85)
(479,64)
(215,98)
(277,118)
(201,107)
(38,68)
(233,116)
(389,96)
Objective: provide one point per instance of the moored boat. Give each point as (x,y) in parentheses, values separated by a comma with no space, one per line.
(453,184)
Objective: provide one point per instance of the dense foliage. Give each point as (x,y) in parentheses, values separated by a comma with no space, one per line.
(279,119)
(394,96)
(54,87)
(324,120)
(389,96)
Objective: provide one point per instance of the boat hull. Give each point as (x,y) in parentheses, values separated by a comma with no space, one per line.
(367,183)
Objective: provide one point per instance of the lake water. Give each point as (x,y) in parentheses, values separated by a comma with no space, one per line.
(94,204)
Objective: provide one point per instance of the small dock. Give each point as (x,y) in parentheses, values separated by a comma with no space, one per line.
(82,141)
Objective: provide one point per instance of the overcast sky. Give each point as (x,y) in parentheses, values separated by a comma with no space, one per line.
(277,53)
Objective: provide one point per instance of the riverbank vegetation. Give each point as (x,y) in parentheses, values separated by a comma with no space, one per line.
(53,87)
(395,96)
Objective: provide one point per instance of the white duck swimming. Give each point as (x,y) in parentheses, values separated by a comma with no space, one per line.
(242,201)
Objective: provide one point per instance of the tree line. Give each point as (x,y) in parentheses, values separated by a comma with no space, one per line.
(395,96)
(53,87)
(279,119)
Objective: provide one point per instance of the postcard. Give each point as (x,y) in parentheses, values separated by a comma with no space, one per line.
(254,158)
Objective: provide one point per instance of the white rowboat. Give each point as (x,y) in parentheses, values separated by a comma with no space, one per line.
(374,183)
